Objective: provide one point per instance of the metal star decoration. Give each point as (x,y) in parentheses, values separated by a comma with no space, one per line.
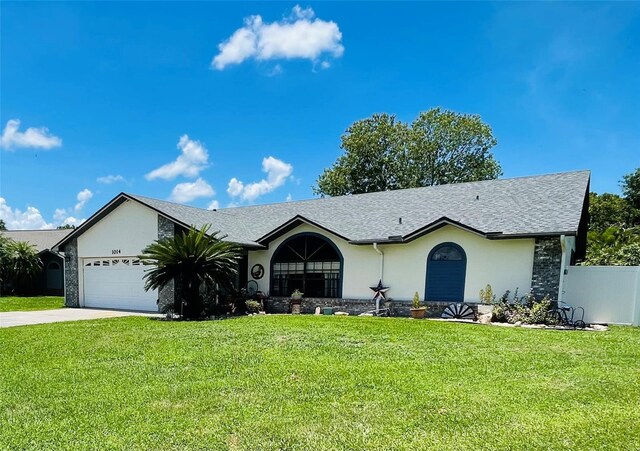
(379,291)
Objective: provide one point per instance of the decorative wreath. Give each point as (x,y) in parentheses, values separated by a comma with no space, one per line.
(257,271)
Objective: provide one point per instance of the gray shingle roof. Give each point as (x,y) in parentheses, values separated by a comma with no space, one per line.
(536,205)
(41,239)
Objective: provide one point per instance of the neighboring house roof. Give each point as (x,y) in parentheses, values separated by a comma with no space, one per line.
(550,204)
(43,240)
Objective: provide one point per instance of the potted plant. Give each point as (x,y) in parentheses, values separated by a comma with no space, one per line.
(417,311)
(296,301)
(487,299)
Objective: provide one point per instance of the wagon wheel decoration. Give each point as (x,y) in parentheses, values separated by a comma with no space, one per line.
(458,311)
(251,288)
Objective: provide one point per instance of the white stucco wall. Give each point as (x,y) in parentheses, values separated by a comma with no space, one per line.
(505,264)
(127,229)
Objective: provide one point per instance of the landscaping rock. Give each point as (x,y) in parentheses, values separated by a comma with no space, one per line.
(517,324)
(599,327)
(341,313)
(485,319)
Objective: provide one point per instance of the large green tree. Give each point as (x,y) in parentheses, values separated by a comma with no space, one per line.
(614,246)
(614,228)
(438,147)
(607,210)
(194,259)
(3,226)
(631,190)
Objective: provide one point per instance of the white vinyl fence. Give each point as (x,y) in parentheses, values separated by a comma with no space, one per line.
(609,294)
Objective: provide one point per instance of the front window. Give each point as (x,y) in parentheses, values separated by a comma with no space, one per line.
(309,263)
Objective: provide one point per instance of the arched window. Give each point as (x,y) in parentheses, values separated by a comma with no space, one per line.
(53,265)
(310,263)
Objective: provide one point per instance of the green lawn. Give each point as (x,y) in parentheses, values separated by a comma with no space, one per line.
(22,304)
(305,382)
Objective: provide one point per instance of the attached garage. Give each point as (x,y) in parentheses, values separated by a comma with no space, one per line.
(103,269)
(117,283)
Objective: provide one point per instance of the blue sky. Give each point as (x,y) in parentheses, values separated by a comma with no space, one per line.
(207,104)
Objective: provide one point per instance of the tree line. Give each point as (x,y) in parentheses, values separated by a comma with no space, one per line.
(614,226)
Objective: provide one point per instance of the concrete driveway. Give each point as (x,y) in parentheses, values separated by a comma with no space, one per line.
(11,319)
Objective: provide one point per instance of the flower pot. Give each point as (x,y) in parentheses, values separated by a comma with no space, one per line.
(485,309)
(418,313)
(295,305)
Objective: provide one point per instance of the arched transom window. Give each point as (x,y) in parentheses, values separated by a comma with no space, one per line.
(310,263)
(447,252)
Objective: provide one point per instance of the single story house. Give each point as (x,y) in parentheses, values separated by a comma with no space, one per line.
(444,242)
(50,281)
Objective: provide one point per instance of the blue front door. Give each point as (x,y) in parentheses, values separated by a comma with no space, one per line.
(446,271)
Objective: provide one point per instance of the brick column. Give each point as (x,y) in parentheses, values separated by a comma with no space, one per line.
(166,294)
(71,275)
(547,259)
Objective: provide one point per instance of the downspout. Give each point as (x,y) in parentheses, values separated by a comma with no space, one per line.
(375,248)
(563,268)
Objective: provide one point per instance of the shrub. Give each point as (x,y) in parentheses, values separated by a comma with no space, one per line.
(525,309)
(487,296)
(538,312)
(252,306)
(416,301)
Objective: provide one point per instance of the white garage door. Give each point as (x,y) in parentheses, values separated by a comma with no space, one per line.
(117,283)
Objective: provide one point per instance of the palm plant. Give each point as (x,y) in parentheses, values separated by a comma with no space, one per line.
(4,259)
(23,264)
(193,259)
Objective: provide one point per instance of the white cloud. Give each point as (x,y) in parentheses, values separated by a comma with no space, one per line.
(186,192)
(109,179)
(301,35)
(59,215)
(82,197)
(289,198)
(194,158)
(235,187)
(73,221)
(277,173)
(277,70)
(37,138)
(214,205)
(16,219)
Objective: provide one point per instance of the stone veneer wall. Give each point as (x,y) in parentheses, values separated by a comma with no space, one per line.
(71,275)
(166,295)
(351,306)
(547,260)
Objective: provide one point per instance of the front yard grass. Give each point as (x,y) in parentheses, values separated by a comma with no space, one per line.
(308,382)
(23,304)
